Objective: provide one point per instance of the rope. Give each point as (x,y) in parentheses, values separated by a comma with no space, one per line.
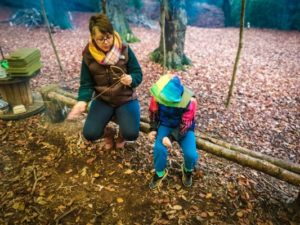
(114,84)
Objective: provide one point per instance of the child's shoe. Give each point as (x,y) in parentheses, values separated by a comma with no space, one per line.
(156,180)
(186,178)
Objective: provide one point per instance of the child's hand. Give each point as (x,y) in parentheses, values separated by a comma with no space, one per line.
(152,136)
(166,142)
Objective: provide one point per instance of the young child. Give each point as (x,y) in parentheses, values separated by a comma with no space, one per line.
(172,117)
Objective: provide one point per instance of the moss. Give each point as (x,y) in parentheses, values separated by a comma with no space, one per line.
(129,38)
(173,60)
(155,56)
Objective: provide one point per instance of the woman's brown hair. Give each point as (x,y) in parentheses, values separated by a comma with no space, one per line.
(101,22)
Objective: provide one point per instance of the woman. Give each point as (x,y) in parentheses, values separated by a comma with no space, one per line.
(111,72)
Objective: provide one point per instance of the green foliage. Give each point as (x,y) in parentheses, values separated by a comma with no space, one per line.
(137,4)
(295,21)
(294,8)
(155,56)
(129,38)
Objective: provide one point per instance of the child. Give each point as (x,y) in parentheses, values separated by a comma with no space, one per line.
(172,117)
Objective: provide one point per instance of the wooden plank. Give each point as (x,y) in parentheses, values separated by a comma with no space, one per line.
(23,94)
(3,93)
(10,95)
(16,93)
(29,93)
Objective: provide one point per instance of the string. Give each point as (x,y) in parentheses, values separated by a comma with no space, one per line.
(114,84)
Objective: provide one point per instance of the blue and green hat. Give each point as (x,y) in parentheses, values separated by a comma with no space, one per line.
(169,91)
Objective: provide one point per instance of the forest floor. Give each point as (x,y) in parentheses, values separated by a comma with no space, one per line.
(49,175)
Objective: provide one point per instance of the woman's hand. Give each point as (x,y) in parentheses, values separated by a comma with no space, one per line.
(126,79)
(166,142)
(152,136)
(77,110)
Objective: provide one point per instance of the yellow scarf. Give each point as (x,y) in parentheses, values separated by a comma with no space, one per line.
(111,57)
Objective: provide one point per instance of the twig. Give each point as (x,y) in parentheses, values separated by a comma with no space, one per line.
(274,186)
(36,179)
(65,214)
(2,53)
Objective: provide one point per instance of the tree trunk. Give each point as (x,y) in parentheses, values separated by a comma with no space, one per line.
(174,19)
(103,6)
(227,13)
(115,11)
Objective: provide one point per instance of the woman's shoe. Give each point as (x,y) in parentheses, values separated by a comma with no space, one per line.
(108,138)
(120,142)
(108,143)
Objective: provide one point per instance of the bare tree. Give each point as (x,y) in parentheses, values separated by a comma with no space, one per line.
(103,6)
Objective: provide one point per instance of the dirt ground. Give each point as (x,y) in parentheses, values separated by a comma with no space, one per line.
(50,175)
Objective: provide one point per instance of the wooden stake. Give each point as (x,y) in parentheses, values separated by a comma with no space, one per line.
(242,19)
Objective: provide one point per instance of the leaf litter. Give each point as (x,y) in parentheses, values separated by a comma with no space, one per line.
(49,174)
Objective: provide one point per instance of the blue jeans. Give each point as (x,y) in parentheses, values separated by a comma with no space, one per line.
(100,113)
(187,144)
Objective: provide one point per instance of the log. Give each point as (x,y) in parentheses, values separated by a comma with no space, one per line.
(233,153)
(56,104)
(278,162)
(249,161)
(293,167)
(68,101)
(242,159)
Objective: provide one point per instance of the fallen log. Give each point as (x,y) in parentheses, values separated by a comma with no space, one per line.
(293,167)
(222,149)
(242,159)
(62,98)
(56,102)
(278,162)
(249,161)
